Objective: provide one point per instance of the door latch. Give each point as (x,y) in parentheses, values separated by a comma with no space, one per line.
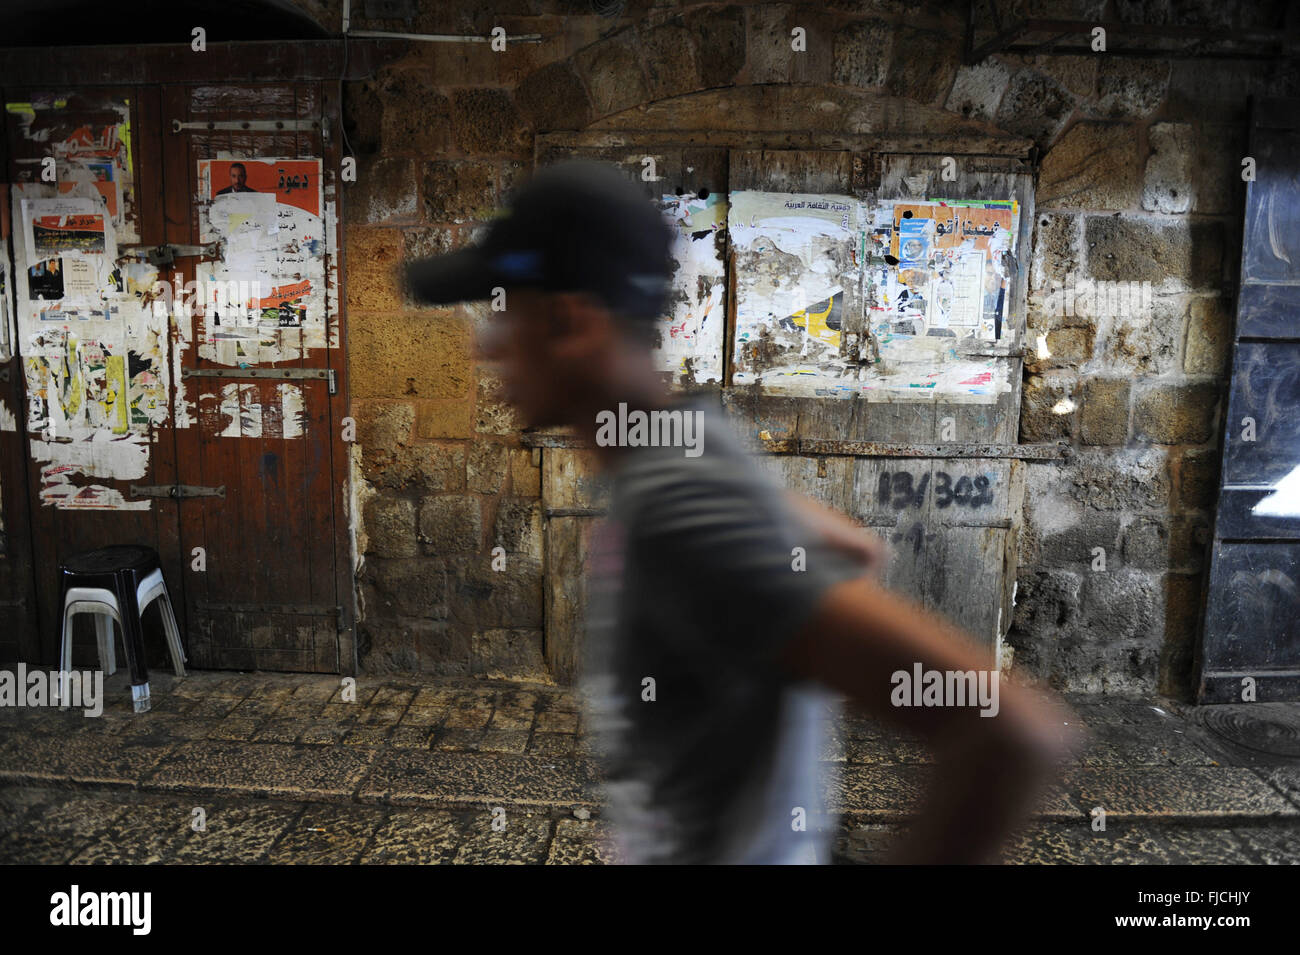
(176,490)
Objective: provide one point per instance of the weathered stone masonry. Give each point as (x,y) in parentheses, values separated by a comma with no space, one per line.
(1140,182)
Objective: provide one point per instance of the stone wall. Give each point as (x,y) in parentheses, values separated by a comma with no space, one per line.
(1140,183)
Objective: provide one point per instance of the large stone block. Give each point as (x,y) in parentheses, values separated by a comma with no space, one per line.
(1121,606)
(1047,407)
(612,70)
(383,424)
(1167,185)
(1103,417)
(861,52)
(1121,249)
(390,526)
(452,418)
(923,79)
(425,467)
(495,415)
(1046,603)
(668,54)
(1068,347)
(1119,479)
(1141,340)
(1034,106)
(1094,166)
(486,122)
(1057,251)
(719,35)
(457,191)
(510,655)
(554,98)
(1198,477)
(374,256)
(1209,337)
(409,355)
(451,524)
(1176,414)
(1073,548)
(487,467)
(412,587)
(977,90)
(509,599)
(416,116)
(519,527)
(384,192)
(1131,88)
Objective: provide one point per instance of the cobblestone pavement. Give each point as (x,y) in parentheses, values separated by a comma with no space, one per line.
(282,770)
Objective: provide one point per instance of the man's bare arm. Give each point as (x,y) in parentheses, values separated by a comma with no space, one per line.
(840,532)
(989,770)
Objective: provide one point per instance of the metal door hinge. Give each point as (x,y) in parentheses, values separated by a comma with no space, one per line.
(281,374)
(176,490)
(251,125)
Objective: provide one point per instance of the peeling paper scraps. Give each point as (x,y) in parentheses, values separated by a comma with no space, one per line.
(240,411)
(7,420)
(693,332)
(93,455)
(58,490)
(93,157)
(293,415)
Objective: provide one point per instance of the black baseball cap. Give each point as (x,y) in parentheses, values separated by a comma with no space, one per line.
(574,226)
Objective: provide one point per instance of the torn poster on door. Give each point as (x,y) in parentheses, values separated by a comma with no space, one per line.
(266,213)
(692,333)
(70,258)
(89,138)
(836,296)
(95,355)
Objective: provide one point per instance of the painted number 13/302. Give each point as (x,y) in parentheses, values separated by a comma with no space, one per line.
(898,490)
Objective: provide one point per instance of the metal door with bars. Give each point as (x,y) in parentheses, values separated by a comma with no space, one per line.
(1252,614)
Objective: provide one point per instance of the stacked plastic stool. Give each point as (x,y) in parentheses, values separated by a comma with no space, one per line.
(116,584)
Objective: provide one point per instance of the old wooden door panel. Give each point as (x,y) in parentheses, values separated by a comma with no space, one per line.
(951,521)
(1253,602)
(269,596)
(574,496)
(96,364)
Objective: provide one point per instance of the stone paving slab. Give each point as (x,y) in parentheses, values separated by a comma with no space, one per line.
(95,759)
(405,777)
(263,769)
(881,792)
(1223,792)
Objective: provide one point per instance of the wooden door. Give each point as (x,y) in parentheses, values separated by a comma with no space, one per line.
(925,455)
(145,421)
(93,421)
(261,395)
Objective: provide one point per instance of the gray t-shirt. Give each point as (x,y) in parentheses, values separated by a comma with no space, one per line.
(693,586)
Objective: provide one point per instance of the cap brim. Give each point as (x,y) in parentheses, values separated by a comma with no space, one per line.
(461,276)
